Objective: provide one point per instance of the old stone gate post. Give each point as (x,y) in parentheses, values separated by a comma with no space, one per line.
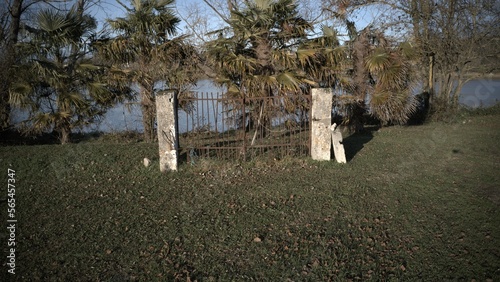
(323,134)
(166,116)
(321,115)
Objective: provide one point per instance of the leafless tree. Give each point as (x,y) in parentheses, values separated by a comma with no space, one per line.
(456,40)
(11,20)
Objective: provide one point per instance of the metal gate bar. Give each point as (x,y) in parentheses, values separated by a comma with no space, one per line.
(211,125)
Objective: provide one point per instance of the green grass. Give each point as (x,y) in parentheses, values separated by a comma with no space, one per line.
(412,203)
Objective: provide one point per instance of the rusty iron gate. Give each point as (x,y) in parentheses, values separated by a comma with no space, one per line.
(216,126)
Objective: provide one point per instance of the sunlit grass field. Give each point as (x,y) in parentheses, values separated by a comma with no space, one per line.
(412,203)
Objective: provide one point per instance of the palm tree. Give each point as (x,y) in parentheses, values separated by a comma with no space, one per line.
(58,83)
(145,48)
(392,70)
(256,55)
(379,80)
(267,50)
(324,59)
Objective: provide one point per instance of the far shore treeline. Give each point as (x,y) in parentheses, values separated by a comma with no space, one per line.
(66,68)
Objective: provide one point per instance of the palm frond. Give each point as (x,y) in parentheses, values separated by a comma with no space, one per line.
(19,94)
(379,60)
(310,82)
(288,80)
(407,50)
(88,67)
(137,4)
(164,4)
(263,4)
(393,107)
(77,100)
(51,21)
(42,121)
(100,92)
(306,55)
(265,80)
(328,31)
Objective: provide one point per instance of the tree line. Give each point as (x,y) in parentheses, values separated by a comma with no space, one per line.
(65,72)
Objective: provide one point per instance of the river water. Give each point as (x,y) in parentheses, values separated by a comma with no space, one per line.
(127,117)
(481,93)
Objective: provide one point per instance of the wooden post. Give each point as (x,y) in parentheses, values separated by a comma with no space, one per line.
(321,113)
(430,97)
(166,116)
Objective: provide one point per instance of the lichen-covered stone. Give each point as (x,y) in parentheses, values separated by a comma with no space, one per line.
(321,113)
(338,146)
(167,131)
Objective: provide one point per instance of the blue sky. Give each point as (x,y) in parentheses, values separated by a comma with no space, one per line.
(111,9)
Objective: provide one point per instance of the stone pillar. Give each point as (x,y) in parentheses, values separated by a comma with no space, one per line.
(321,116)
(338,147)
(166,116)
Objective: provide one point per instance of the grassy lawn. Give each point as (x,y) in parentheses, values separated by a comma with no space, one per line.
(412,203)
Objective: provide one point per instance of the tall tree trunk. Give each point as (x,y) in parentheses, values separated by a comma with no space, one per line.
(263,51)
(5,108)
(63,130)
(75,47)
(421,12)
(360,48)
(148,112)
(64,134)
(15,12)
(430,86)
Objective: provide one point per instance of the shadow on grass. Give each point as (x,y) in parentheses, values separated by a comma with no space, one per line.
(15,138)
(354,143)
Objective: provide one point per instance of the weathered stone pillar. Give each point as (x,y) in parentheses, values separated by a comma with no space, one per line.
(166,116)
(321,113)
(338,147)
